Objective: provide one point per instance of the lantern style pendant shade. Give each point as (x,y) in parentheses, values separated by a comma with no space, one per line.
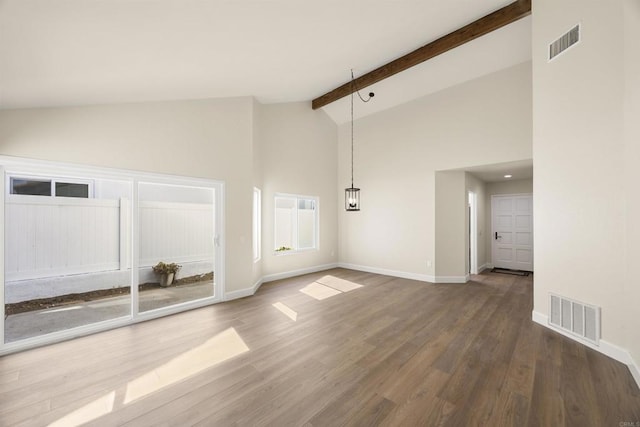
(352,199)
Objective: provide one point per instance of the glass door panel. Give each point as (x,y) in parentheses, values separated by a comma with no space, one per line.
(176,244)
(67,254)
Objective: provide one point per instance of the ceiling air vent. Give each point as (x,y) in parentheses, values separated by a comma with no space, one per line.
(567,40)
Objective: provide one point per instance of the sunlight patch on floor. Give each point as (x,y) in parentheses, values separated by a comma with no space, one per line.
(319,291)
(223,346)
(88,412)
(338,283)
(286,311)
(329,286)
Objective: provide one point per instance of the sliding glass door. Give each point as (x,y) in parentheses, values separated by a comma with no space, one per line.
(88,249)
(177,244)
(67,262)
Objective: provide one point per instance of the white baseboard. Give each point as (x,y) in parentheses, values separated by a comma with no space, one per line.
(484,267)
(406,275)
(394,273)
(300,272)
(452,279)
(247,292)
(257,285)
(539,318)
(620,354)
(635,371)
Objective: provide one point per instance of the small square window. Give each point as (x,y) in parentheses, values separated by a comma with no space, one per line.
(71,189)
(51,187)
(296,223)
(30,187)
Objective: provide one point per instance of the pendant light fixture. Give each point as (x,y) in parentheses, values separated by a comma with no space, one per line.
(352,194)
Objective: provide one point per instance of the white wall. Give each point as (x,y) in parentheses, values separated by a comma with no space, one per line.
(451,225)
(632,170)
(582,200)
(480,189)
(204,138)
(257,178)
(452,220)
(517,186)
(397,152)
(237,140)
(298,156)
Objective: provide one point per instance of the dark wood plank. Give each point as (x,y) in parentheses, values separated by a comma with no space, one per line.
(547,405)
(577,390)
(608,378)
(491,22)
(393,352)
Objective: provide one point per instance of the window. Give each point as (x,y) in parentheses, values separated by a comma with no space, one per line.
(63,187)
(296,223)
(30,187)
(257,229)
(72,189)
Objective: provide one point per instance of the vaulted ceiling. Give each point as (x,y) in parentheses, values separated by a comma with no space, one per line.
(80,52)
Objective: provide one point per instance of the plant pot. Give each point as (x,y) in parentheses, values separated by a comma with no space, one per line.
(166,279)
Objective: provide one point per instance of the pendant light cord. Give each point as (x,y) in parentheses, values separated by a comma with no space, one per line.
(355,89)
(352,128)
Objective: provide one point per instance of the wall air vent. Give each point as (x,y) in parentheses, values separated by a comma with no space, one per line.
(575,317)
(567,40)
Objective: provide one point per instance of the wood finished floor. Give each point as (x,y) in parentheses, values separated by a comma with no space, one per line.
(392,352)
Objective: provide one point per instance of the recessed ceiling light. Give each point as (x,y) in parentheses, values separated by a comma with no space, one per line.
(508,176)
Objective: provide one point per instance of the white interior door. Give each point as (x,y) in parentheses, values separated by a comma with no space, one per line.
(512,231)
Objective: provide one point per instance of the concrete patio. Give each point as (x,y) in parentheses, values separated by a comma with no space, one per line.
(41,322)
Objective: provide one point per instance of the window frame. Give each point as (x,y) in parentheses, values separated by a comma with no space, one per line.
(296,235)
(257,224)
(53,180)
(66,172)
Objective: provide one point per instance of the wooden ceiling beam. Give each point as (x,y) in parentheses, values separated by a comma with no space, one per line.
(491,22)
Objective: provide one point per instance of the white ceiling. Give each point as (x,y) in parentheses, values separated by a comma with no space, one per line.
(79,52)
(521,169)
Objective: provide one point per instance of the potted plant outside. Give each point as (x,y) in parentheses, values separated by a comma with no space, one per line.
(167,272)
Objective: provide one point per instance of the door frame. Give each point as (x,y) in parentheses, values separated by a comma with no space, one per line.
(472,202)
(493,225)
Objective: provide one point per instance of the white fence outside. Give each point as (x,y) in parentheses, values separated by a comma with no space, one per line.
(179,232)
(47,237)
(295,224)
(56,246)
